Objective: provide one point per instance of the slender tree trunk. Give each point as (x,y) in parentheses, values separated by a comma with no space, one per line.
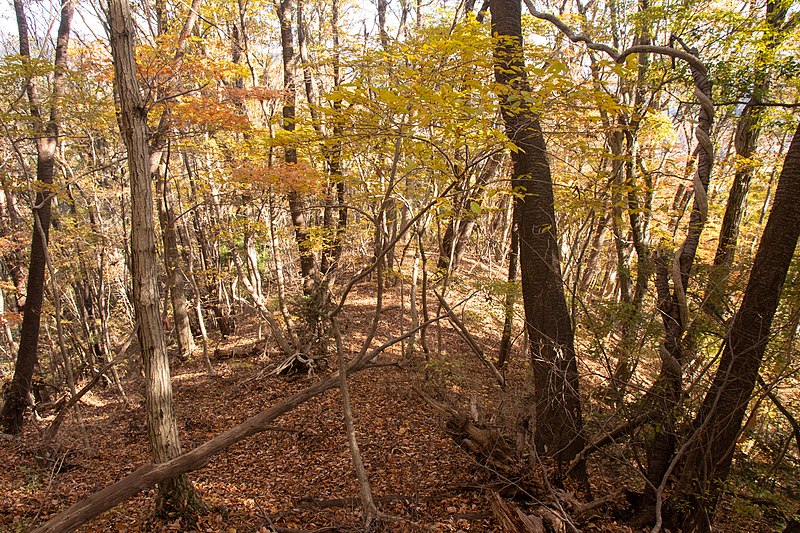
(748,130)
(511,293)
(280,281)
(668,387)
(172,264)
(462,223)
(177,493)
(384,36)
(308,263)
(16,401)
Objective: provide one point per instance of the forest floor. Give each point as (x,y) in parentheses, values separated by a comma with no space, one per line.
(300,474)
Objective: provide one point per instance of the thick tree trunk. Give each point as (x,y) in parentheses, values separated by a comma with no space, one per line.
(719,422)
(175,493)
(16,400)
(556,421)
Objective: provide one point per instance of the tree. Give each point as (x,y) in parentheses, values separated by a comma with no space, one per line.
(748,130)
(308,262)
(717,426)
(47,138)
(175,493)
(556,422)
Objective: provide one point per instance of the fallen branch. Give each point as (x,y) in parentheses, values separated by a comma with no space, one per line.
(149,474)
(294,364)
(50,433)
(476,349)
(239,351)
(485,444)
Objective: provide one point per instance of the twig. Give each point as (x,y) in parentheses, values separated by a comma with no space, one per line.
(470,339)
(50,432)
(784,411)
(149,474)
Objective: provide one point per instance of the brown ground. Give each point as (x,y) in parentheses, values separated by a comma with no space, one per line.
(287,478)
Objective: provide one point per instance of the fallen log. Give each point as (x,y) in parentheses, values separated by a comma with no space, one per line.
(149,474)
(241,350)
(512,520)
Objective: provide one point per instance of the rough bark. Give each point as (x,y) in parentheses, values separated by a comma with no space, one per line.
(308,262)
(556,422)
(16,400)
(384,36)
(719,421)
(175,493)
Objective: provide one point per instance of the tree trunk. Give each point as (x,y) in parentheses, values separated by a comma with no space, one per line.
(176,493)
(510,293)
(719,421)
(668,387)
(308,263)
(748,130)
(172,264)
(556,421)
(16,400)
(462,223)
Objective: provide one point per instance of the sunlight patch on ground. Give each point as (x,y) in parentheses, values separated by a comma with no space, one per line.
(188,376)
(93,400)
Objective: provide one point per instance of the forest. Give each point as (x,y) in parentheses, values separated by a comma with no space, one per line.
(399,265)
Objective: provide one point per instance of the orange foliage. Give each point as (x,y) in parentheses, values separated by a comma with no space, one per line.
(208,113)
(11,318)
(299,177)
(241,94)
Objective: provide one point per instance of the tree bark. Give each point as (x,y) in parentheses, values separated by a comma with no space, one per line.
(510,297)
(556,421)
(175,493)
(668,387)
(174,269)
(719,421)
(16,400)
(748,130)
(308,263)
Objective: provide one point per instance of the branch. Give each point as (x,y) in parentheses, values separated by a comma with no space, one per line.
(664,50)
(788,105)
(150,474)
(574,37)
(51,431)
(462,329)
(619,57)
(782,408)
